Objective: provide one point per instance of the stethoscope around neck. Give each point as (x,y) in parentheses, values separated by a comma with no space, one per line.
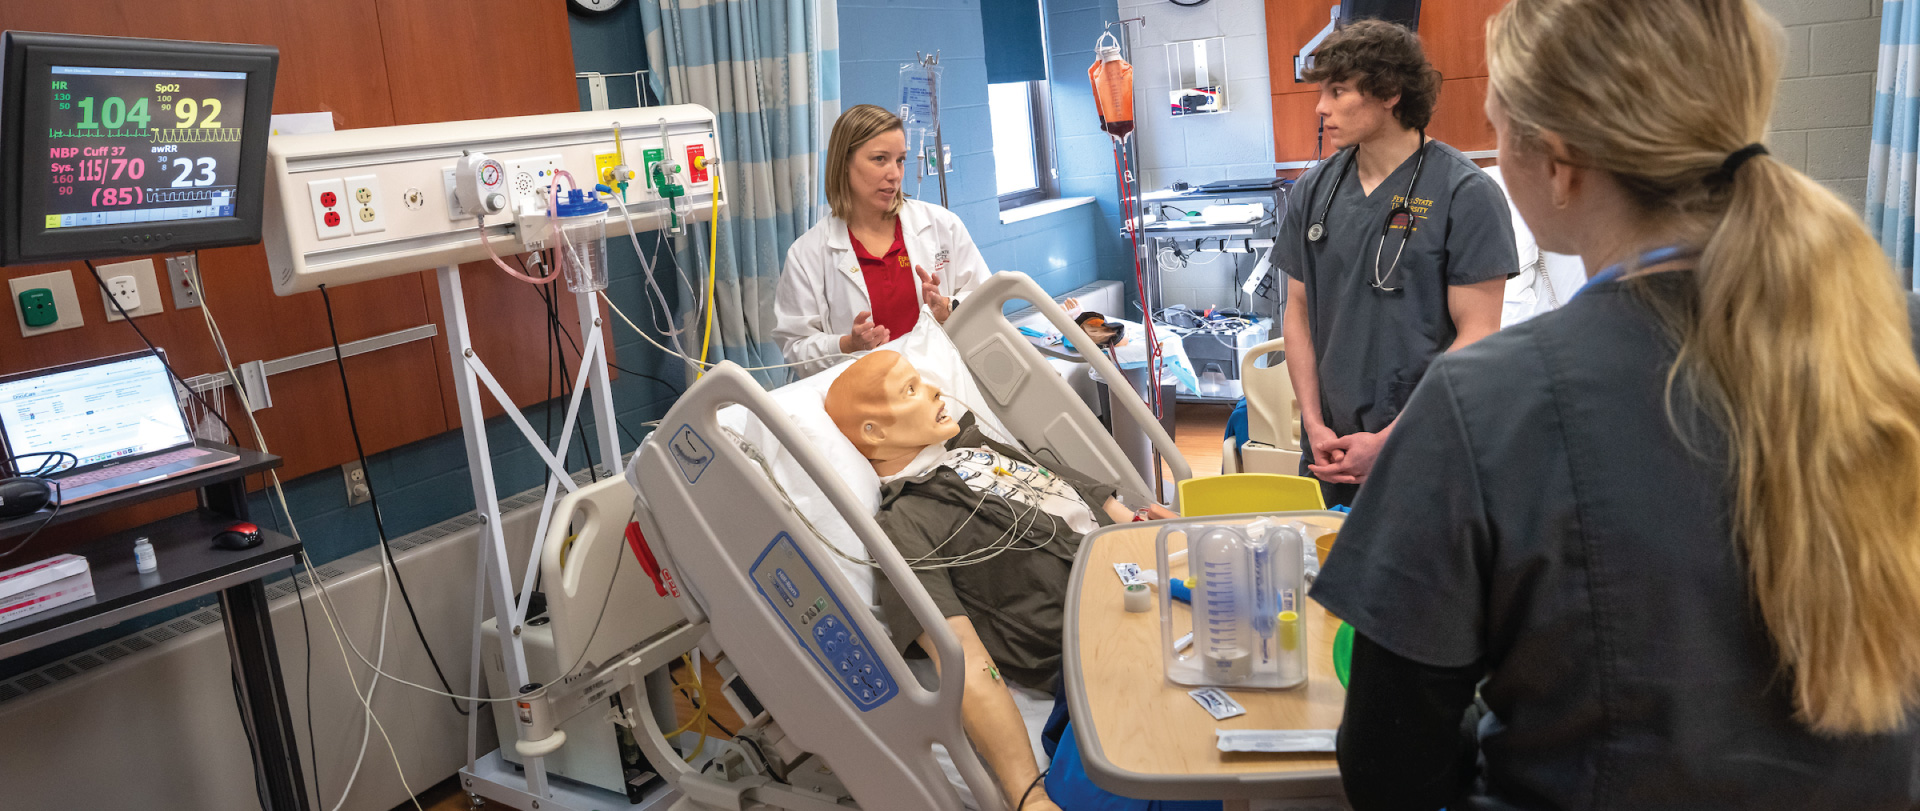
(1318,231)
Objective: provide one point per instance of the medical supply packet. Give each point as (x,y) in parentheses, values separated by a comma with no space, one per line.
(1217,703)
(1275,740)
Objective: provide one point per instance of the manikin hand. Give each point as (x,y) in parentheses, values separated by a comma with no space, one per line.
(1355,456)
(865,335)
(1118,511)
(930,293)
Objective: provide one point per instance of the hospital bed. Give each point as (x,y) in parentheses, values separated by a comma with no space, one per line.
(752,510)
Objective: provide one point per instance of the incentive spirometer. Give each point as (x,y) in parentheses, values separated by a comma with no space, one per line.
(1249,621)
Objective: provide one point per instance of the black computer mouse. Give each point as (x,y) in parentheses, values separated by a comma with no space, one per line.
(239,536)
(23,496)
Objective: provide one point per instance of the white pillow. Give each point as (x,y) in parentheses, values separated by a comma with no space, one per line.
(933,354)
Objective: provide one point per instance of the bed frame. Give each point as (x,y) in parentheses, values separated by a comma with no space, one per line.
(757,585)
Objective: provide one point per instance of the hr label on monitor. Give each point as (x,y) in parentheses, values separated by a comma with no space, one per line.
(691,453)
(817,619)
(129,145)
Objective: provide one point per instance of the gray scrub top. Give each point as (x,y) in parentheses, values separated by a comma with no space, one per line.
(1536,512)
(1373,346)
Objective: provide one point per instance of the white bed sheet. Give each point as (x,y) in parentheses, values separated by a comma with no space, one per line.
(938,361)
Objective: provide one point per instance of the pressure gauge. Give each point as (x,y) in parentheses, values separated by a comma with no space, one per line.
(592,7)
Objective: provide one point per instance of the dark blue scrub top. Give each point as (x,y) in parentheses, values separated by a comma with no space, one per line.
(1536,512)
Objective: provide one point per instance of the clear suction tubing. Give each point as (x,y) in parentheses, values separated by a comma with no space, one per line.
(1248,617)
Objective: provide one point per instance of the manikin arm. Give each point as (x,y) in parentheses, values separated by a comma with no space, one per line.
(993,722)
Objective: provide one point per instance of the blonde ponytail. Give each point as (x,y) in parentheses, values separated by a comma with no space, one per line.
(1799,343)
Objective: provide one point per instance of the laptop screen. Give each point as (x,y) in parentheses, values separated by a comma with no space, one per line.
(97,413)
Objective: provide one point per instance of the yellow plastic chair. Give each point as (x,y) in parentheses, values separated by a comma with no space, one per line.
(1249,493)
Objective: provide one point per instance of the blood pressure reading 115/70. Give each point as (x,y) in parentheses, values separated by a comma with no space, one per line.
(127,145)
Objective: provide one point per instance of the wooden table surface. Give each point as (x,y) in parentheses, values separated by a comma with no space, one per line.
(1143,736)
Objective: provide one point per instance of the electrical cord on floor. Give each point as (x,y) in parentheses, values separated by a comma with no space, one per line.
(306,640)
(280,494)
(232,435)
(359,451)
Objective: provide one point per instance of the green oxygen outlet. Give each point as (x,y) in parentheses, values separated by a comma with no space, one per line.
(36,307)
(647,159)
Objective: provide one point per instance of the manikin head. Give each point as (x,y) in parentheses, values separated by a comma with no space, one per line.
(887,411)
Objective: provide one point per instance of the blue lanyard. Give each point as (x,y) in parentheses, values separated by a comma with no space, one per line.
(1653,257)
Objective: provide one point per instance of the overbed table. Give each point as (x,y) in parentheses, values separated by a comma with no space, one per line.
(1144,737)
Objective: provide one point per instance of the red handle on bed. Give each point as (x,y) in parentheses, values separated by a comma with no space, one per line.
(640,550)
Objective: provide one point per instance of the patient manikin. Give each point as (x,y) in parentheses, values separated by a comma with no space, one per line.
(991,535)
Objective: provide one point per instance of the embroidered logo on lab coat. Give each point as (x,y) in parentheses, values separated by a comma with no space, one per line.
(940,262)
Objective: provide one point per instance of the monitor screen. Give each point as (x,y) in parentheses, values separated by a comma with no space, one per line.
(1404,12)
(136,145)
(112,146)
(98,412)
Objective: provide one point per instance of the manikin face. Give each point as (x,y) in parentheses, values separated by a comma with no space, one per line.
(876,169)
(1353,117)
(884,407)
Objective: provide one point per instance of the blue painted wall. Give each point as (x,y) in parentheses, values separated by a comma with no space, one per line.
(427,482)
(1062,250)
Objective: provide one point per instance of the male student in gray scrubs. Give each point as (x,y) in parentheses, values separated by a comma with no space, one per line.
(1397,246)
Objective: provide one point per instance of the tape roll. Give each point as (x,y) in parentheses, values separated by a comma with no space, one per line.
(1138,599)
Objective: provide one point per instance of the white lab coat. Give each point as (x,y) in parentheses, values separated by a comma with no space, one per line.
(1546,279)
(822,289)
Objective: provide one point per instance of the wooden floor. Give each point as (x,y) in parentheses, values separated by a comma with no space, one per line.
(1198,431)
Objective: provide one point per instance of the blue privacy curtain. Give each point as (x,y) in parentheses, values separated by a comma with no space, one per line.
(770,71)
(1896,136)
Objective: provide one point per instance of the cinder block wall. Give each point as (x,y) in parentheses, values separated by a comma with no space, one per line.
(1823,116)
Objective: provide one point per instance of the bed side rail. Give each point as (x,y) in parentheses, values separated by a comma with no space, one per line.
(785,614)
(1027,394)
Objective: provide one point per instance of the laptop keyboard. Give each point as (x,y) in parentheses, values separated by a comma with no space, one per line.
(116,471)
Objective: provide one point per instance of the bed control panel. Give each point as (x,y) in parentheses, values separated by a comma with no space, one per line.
(791,585)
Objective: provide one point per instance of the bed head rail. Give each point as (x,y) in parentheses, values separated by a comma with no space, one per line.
(1027,394)
(780,607)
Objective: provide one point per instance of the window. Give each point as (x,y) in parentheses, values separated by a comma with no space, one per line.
(1022,142)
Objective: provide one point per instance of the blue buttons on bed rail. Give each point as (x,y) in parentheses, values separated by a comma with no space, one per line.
(796,592)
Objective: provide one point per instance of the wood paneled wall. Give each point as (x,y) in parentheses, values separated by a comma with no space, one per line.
(370,63)
(1454,33)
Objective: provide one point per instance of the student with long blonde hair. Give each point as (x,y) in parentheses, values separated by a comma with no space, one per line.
(1674,525)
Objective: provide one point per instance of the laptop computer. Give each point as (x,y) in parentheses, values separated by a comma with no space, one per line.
(1242,184)
(117,415)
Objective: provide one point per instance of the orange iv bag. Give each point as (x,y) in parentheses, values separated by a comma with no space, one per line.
(1112,81)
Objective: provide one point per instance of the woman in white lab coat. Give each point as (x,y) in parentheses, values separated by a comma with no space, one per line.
(856,280)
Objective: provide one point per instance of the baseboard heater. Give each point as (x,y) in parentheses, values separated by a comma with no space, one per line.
(148,721)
